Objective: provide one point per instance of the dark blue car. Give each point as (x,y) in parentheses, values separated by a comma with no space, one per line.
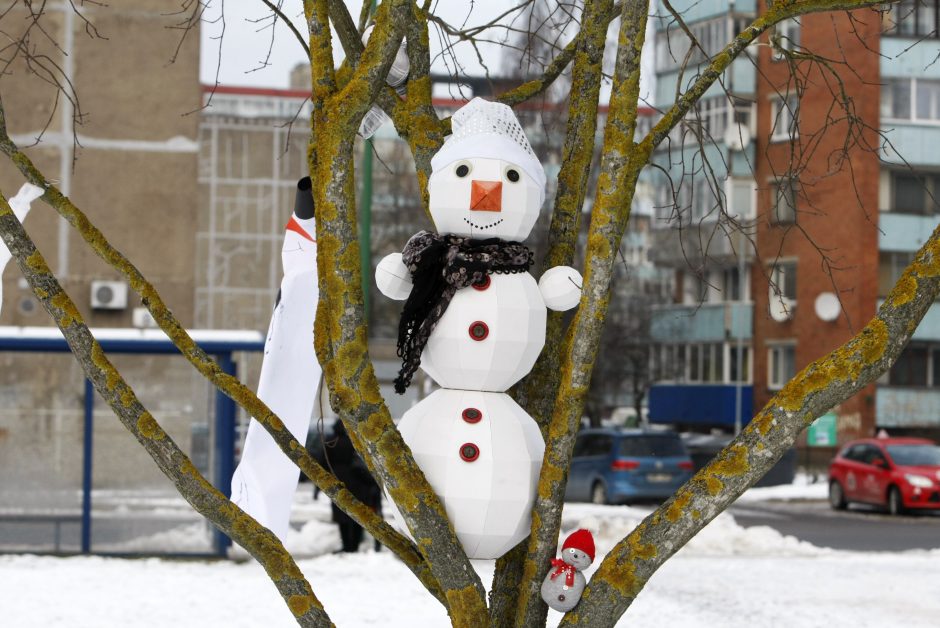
(612,466)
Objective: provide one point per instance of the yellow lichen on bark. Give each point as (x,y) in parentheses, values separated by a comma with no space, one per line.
(732,462)
(904,291)
(299,604)
(678,506)
(844,364)
(462,603)
(148,427)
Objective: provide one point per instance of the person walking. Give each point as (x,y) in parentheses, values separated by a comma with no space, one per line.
(338,455)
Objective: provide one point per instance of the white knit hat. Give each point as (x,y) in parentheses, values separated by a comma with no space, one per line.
(489,130)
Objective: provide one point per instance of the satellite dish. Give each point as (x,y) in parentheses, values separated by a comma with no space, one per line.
(827,306)
(737,137)
(781,308)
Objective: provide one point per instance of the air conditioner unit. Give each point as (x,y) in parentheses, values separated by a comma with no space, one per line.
(108,295)
(141,318)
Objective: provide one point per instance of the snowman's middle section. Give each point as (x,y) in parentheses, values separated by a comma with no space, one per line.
(480,451)
(490,336)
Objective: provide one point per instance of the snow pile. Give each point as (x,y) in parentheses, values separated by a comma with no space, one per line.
(192,538)
(722,537)
(803,488)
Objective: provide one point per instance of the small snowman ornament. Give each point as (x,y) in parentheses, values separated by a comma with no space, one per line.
(474,320)
(564,584)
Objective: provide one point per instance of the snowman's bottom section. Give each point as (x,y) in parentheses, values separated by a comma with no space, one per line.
(481,453)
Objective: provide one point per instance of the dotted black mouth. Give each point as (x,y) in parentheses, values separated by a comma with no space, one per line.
(476,226)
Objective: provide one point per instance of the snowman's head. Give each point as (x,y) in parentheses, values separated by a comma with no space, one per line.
(577,558)
(486,181)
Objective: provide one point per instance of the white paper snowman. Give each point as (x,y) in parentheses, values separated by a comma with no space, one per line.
(20,204)
(265,480)
(479,450)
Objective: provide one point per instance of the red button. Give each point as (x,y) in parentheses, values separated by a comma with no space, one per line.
(483,284)
(469,452)
(472,415)
(478,330)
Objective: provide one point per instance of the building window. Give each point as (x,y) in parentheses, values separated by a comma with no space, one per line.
(694,289)
(781,299)
(703,199)
(910,368)
(700,363)
(896,99)
(672,44)
(935,366)
(786,37)
(783,197)
(742,198)
(784,116)
(917,366)
(917,100)
(912,18)
(734,374)
(783,280)
(890,266)
(713,114)
(928,99)
(744,113)
(781,365)
(733,288)
(915,193)
(706,363)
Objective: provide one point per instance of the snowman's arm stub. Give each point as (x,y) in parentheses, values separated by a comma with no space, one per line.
(561,288)
(392,277)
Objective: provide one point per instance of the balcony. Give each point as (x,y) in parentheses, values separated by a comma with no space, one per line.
(906,407)
(694,245)
(904,232)
(901,58)
(910,143)
(702,323)
(741,75)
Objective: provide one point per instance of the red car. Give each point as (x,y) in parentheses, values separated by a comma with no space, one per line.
(897,473)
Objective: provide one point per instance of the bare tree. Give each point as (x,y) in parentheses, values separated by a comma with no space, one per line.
(556,390)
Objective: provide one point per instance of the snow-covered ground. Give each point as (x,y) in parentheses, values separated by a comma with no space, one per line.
(728,576)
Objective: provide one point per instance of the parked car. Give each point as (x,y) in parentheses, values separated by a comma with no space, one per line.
(896,473)
(611,466)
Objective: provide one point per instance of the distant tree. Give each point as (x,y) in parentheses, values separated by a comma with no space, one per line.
(556,390)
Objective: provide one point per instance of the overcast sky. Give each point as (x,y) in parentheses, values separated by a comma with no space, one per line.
(246,43)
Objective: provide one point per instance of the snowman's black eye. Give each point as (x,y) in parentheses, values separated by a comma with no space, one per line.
(462,170)
(512,175)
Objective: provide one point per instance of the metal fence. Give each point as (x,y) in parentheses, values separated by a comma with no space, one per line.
(73,479)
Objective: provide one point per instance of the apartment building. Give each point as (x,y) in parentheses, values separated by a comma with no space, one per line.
(788,219)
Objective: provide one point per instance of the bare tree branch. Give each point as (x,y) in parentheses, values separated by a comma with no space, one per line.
(290,25)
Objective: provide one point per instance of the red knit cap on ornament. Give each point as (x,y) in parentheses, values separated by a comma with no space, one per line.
(581,539)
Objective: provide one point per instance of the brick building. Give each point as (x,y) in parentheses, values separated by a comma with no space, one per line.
(826,212)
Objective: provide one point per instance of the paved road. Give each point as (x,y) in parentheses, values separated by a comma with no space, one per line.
(859,528)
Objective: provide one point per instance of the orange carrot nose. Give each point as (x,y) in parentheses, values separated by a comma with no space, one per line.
(486,196)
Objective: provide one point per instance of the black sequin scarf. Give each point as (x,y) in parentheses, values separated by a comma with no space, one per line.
(439,266)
